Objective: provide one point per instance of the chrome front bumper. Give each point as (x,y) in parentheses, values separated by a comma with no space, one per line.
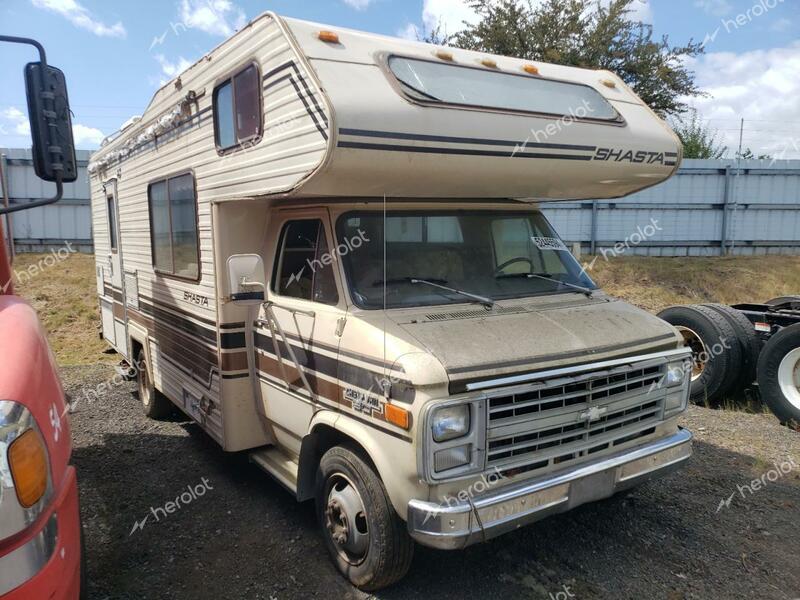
(457,523)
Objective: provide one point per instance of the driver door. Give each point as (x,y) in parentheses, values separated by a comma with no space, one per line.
(298,332)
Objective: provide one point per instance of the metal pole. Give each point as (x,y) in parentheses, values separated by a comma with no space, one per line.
(9,226)
(741,135)
(725,201)
(593,241)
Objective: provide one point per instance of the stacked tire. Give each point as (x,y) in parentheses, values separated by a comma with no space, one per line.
(725,349)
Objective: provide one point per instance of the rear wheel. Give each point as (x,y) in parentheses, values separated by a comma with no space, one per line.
(749,343)
(155,404)
(779,374)
(715,349)
(366,539)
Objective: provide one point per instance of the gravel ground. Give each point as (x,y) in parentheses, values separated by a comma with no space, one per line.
(241,535)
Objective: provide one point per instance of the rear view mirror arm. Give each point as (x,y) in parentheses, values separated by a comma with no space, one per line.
(59,185)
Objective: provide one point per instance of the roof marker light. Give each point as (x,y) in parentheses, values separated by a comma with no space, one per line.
(444,55)
(609,83)
(489,62)
(328,36)
(531,69)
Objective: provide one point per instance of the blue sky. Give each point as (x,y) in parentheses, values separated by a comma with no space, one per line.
(116,54)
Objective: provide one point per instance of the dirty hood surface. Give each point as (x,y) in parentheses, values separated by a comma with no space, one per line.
(551,332)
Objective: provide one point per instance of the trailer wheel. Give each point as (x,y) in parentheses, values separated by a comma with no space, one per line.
(715,350)
(368,542)
(779,374)
(155,404)
(749,343)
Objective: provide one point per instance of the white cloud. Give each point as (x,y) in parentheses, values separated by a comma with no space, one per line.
(87,136)
(358,4)
(409,32)
(718,8)
(760,86)
(15,121)
(781,25)
(217,17)
(640,10)
(169,69)
(81,17)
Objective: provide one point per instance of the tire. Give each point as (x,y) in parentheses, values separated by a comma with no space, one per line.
(714,342)
(779,374)
(155,404)
(749,343)
(380,552)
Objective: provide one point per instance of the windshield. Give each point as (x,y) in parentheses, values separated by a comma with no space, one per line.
(454,257)
(454,84)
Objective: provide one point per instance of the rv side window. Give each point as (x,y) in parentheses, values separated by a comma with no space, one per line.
(173,227)
(237,109)
(112,223)
(304,265)
(436,82)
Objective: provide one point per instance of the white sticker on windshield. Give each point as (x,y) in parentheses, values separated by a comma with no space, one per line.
(549,243)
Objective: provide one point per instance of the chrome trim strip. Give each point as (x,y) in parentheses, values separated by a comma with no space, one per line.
(501,381)
(25,562)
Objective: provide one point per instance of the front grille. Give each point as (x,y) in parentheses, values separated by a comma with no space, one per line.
(555,421)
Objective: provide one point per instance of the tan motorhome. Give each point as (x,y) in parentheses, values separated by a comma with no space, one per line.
(325,247)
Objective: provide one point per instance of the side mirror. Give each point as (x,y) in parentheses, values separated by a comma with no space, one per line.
(246,280)
(51,124)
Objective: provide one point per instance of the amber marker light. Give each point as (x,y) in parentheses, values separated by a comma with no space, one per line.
(328,36)
(490,63)
(27,460)
(397,416)
(444,55)
(531,69)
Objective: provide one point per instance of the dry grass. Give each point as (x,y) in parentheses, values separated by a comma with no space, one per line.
(64,294)
(65,297)
(655,283)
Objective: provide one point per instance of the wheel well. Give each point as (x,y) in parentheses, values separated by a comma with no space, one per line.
(321,439)
(135,347)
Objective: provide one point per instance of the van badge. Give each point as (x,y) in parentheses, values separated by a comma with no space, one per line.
(593,414)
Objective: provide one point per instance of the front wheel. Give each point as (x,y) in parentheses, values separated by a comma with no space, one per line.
(366,539)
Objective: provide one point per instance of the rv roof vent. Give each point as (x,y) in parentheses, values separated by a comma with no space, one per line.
(476,314)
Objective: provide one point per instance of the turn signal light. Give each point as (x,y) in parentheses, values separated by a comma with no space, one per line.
(27,459)
(531,69)
(397,416)
(328,36)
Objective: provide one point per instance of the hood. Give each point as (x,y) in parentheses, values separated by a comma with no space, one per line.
(553,331)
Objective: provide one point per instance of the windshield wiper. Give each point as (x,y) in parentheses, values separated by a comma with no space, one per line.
(438,283)
(548,277)
(487,302)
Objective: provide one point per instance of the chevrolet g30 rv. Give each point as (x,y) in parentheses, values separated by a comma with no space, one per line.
(325,246)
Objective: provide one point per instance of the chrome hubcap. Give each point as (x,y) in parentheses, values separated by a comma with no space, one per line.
(699,352)
(789,377)
(346,520)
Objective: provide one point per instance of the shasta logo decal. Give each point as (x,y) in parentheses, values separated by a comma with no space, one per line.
(631,156)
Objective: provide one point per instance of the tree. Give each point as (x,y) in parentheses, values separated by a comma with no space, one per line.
(699,140)
(589,34)
(747,154)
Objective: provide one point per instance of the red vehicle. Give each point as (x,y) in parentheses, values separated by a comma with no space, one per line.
(40,530)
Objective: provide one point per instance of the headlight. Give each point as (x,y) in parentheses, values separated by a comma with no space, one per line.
(450,422)
(25,485)
(676,373)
